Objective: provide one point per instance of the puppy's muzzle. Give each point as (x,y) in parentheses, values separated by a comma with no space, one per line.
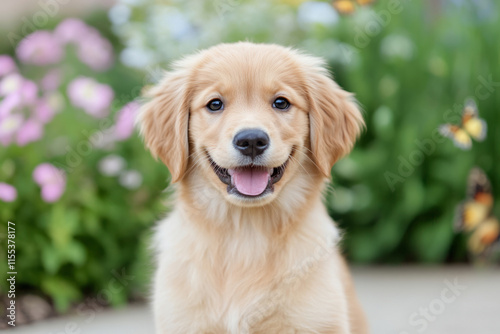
(251,142)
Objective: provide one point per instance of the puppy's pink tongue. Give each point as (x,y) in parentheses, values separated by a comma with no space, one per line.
(250,181)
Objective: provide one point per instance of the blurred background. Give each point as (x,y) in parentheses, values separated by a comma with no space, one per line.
(84,193)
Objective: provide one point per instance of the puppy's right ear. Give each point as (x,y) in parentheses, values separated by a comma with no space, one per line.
(164,119)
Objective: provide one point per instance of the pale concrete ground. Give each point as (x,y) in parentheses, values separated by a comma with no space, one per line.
(390,296)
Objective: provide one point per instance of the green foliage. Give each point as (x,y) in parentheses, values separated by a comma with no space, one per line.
(414,177)
(77,246)
(394,195)
(411,65)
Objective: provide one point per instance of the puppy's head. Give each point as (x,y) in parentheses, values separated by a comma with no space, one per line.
(249,119)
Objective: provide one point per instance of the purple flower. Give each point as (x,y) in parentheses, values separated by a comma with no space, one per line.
(94,98)
(52,192)
(15,84)
(29,92)
(52,80)
(11,83)
(7,192)
(8,104)
(40,48)
(52,180)
(95,51)
(48,106)
(9,125)
(7,65)
(92,48)
(124,126)
(30,131)
(71,30)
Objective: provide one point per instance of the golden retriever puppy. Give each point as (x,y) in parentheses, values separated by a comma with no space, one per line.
(249,133)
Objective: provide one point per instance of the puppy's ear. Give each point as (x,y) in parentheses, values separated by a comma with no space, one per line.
(163,122)
(335,120)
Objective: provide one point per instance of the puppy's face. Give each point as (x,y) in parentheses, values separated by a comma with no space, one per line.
(249,119)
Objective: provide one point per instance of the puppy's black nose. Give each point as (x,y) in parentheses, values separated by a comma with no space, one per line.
(251,142)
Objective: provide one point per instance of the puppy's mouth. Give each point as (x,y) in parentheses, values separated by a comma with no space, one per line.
(251,180)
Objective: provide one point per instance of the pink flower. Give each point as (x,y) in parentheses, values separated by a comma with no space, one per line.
(52,180)
(7,65)
(8,104)
(48,106)
(95,51)
(92,48)
(29,132)
(16,84)
(52,80)
(11,83)
(9,125)
(7,192)
(71,30)
(124,126)
(94,98)
(40,48)
(52,192)
(29,92)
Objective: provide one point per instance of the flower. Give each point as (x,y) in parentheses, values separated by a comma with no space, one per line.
(40,48)
(95,51)
(71,30)
(313,12)
(7,192)
(397,46)
(9,125)
(51,179)
(48,106)
(7,65)
(111,165)
(124,126)
(11,84)
(29,132)
(16,84)
(52,80)
(94,98)
(8,104)
(130,179)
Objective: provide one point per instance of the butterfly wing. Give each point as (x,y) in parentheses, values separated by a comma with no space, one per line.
(475,126)
(344,6)
(479,187)
(484,237)
(469,215)
(460,137)
(479,202)
(365,2)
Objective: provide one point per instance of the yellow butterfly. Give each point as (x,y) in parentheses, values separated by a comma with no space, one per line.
(471,126)
(349,6)
(475,215)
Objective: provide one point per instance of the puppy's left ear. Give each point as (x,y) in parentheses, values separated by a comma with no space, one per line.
(335,120)
(164,120)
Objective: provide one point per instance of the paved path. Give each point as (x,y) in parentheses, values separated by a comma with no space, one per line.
(397,300)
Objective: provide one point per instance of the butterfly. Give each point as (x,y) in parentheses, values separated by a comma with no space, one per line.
(471,126)
(475,215)
(349,6)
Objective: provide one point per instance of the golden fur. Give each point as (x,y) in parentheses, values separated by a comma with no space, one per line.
(263,265)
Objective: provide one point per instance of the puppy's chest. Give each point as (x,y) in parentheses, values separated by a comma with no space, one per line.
(237,295)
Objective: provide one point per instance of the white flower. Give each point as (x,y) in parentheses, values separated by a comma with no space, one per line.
(111,165)
(130,179)
(397,46)
(315,12)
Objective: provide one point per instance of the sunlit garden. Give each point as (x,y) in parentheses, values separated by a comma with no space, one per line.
(418,189)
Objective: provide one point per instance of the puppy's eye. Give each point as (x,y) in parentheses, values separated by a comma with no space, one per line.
(215,105)
(281,103)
